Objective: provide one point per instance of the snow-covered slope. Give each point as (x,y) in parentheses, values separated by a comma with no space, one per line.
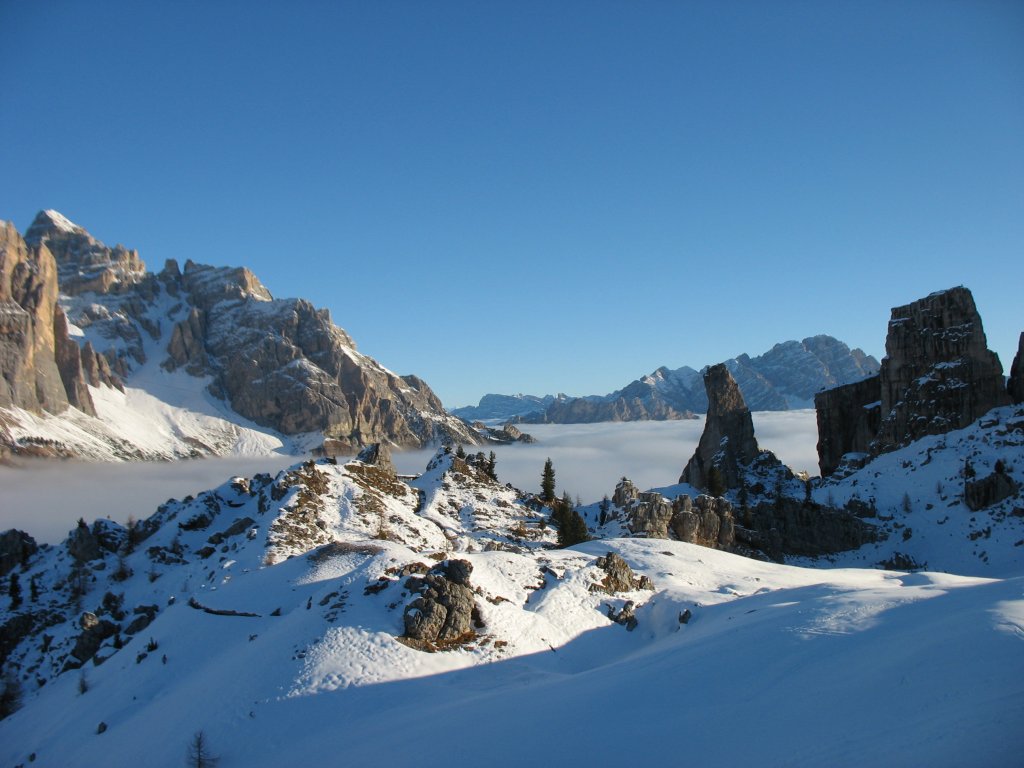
(271,609)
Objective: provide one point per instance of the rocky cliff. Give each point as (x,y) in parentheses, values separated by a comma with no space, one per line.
(786,376)
(938,375)
(1015,386)
(41,368)
(278,363)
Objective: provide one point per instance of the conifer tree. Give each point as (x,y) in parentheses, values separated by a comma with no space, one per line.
(716,484)
(547,482)
(573,529)
(492,460)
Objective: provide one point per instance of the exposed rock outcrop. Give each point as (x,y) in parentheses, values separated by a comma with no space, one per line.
(86,265)
(938,375)
(619,577)
(16,547)
(707,521)
(848,420)
(94,631)
(443,613)
(378,455)
(982,492)
(1015,386)
(29,377)
(727,444)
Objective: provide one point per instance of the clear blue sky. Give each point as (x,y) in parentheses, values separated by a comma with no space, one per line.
(541,196)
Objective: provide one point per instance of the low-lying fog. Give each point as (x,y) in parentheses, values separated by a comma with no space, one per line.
(47,498)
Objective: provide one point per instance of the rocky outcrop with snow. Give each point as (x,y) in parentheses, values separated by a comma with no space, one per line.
(938,375)
(727,446)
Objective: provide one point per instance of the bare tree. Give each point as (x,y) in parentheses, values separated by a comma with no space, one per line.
(198,753)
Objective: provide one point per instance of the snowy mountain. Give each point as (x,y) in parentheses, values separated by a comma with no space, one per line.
(786,376)
(293,618)
(104,359)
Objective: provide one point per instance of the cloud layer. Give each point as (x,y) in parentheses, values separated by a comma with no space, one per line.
(46,498)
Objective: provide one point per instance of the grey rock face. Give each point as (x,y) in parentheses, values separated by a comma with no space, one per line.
(848,420)
(980,493)
(284,364)
(378,455)
(16,547)
(649,515)
(707,521)
(86,265)
(1015,386)
(728,439)
(68,356)
(83,545)
(443,614)
(625,492)
(938,375)
(792,527)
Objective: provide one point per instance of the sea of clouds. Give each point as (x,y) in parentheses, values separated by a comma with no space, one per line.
(47,498)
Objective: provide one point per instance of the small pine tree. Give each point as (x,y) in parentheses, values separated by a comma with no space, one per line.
(492,461)
(605,506)
(198,753)
(906,503)
(33,589)
(14,592)
(460,452)
(547,482)
(573,530)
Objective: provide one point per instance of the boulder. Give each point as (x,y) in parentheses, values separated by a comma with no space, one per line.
(443,613)
(94,631)
(619,577)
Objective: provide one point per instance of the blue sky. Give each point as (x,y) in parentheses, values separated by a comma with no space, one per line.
(541,196)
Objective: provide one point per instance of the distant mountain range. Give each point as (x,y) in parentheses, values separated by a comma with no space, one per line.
(785,377)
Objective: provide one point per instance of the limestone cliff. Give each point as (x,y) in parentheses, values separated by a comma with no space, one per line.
(938,375)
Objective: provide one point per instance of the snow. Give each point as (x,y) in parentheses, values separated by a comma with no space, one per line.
(779,664)
(61,222)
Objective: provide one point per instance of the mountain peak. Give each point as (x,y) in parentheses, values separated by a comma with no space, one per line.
(49,221)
